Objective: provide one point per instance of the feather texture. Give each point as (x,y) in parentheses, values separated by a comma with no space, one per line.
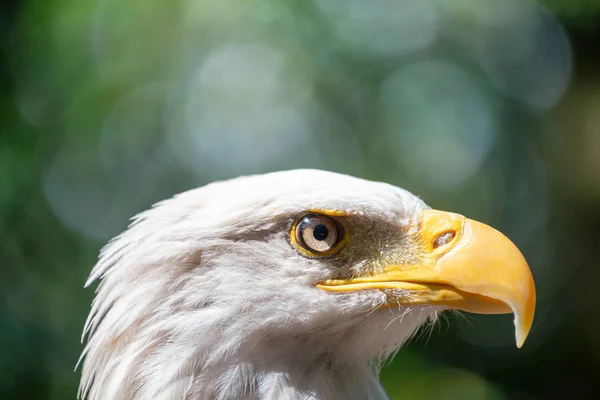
(203,297)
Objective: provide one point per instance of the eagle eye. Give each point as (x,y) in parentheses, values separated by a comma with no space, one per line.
(317,234)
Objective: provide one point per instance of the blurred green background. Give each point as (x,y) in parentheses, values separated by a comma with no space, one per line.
(483,107)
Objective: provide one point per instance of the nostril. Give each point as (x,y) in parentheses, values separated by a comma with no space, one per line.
(443,239)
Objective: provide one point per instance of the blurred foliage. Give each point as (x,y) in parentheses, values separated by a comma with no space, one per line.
(487,108)
(575,11)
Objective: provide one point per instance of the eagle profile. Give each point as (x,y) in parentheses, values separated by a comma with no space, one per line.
(288,285)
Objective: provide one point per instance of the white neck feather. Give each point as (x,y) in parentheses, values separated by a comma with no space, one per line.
(184,352)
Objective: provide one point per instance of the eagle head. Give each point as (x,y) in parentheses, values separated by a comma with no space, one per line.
(288,285)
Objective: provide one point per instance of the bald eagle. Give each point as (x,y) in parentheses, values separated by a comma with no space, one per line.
(287,285)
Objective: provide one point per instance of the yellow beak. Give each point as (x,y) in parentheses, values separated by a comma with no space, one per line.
(464,265)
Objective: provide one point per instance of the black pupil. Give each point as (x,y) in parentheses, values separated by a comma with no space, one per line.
(320,232)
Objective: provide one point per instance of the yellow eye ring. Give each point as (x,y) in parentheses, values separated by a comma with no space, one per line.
(317,234)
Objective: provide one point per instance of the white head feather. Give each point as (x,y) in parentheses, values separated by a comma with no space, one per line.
(204,297)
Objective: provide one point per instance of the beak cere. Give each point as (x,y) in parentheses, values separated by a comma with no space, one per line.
(465,265)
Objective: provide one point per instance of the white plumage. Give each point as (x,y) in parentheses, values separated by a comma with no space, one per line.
(205,297)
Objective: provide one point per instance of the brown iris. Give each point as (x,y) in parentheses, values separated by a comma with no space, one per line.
(317,233)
